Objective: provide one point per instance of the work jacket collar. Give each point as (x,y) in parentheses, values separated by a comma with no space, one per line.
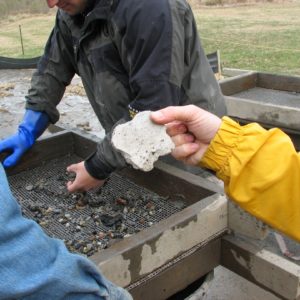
(101,11)
(98,10)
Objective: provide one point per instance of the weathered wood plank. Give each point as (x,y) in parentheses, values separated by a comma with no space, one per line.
(262,267)
(275,115)
(279,82)
(137,256)
(236,84)
(180,275)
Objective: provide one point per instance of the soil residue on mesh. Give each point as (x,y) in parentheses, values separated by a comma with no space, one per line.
(92,221)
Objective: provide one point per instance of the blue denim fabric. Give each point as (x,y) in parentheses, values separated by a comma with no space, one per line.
(35,266)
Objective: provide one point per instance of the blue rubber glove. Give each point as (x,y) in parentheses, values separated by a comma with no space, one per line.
(33,125)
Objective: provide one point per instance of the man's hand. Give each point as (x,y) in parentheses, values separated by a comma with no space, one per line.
(83,180)
(191,129)
(16,145)
(32,126)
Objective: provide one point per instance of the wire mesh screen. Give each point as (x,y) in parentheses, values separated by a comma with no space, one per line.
(88,222)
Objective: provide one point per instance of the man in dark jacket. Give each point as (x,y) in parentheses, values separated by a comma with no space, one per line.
(131,56)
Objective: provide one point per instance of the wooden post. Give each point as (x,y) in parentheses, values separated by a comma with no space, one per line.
(21,38)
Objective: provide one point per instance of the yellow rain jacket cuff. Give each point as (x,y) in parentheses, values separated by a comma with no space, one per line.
(261,172)
(220,150)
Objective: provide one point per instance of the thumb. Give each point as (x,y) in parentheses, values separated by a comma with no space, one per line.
(71,186)
(72,168)
(12,159)
(6,145)
(174,113)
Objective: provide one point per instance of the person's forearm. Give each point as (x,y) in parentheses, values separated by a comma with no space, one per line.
(44,95)
(55,71)
(261,172)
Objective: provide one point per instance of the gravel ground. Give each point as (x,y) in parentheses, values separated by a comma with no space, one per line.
(75,111)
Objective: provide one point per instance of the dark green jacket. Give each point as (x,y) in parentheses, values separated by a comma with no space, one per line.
(132,55)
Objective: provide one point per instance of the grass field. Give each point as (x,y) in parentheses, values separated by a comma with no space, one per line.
(35,30)
(263,37)
(8,7)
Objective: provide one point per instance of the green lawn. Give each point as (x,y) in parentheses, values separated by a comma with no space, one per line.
(35,30)
(263,37)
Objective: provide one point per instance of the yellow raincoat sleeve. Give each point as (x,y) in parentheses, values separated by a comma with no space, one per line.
(261,172)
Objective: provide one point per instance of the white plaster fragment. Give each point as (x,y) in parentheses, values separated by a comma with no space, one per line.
(142,142)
